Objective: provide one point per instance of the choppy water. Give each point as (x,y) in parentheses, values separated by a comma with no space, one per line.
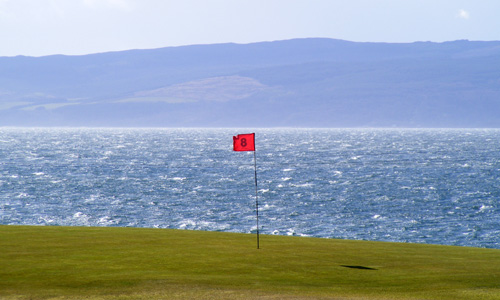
(423,186)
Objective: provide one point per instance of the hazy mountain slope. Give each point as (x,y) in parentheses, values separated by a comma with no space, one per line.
(302,82)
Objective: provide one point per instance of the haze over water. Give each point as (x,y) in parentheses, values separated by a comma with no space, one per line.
(439,186)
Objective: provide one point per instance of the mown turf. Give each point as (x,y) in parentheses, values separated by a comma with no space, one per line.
(134,263)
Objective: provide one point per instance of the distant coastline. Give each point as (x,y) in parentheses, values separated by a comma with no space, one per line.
(314,82)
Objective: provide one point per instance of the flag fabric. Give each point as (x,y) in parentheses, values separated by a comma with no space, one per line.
(244,142)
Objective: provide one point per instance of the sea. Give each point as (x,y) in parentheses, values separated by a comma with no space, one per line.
(431,186)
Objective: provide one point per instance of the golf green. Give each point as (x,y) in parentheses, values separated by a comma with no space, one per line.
(136,263)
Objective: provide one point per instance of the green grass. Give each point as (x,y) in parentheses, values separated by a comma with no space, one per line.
(133,263)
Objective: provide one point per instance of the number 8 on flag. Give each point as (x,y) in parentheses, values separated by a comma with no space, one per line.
(244,142)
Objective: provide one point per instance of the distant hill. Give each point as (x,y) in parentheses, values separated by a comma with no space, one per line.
(300,83)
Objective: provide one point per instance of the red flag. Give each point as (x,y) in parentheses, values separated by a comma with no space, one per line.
(244,142)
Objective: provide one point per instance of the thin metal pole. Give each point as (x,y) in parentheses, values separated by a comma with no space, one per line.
(256,197)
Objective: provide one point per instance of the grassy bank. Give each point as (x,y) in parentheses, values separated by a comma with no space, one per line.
(134,263)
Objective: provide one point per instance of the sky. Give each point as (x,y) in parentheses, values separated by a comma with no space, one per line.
(77,27)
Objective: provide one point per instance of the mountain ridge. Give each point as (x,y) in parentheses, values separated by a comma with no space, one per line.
(313,82)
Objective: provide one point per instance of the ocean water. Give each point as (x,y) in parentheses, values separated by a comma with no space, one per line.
(439,186)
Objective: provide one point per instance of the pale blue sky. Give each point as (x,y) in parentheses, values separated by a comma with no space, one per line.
(74,27)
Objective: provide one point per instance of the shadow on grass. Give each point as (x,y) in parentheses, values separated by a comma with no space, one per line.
(358,267)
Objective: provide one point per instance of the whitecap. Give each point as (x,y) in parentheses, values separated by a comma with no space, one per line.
(81,218)
(45,220)
(178,178)
(484,208)
(91,198)
(186,224)
(106,220)
(266,207)
(304,185)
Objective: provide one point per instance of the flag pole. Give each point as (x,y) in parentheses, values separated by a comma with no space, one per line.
(256,196)
(246,142)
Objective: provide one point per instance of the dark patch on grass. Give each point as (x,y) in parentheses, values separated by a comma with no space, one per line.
(358,267)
